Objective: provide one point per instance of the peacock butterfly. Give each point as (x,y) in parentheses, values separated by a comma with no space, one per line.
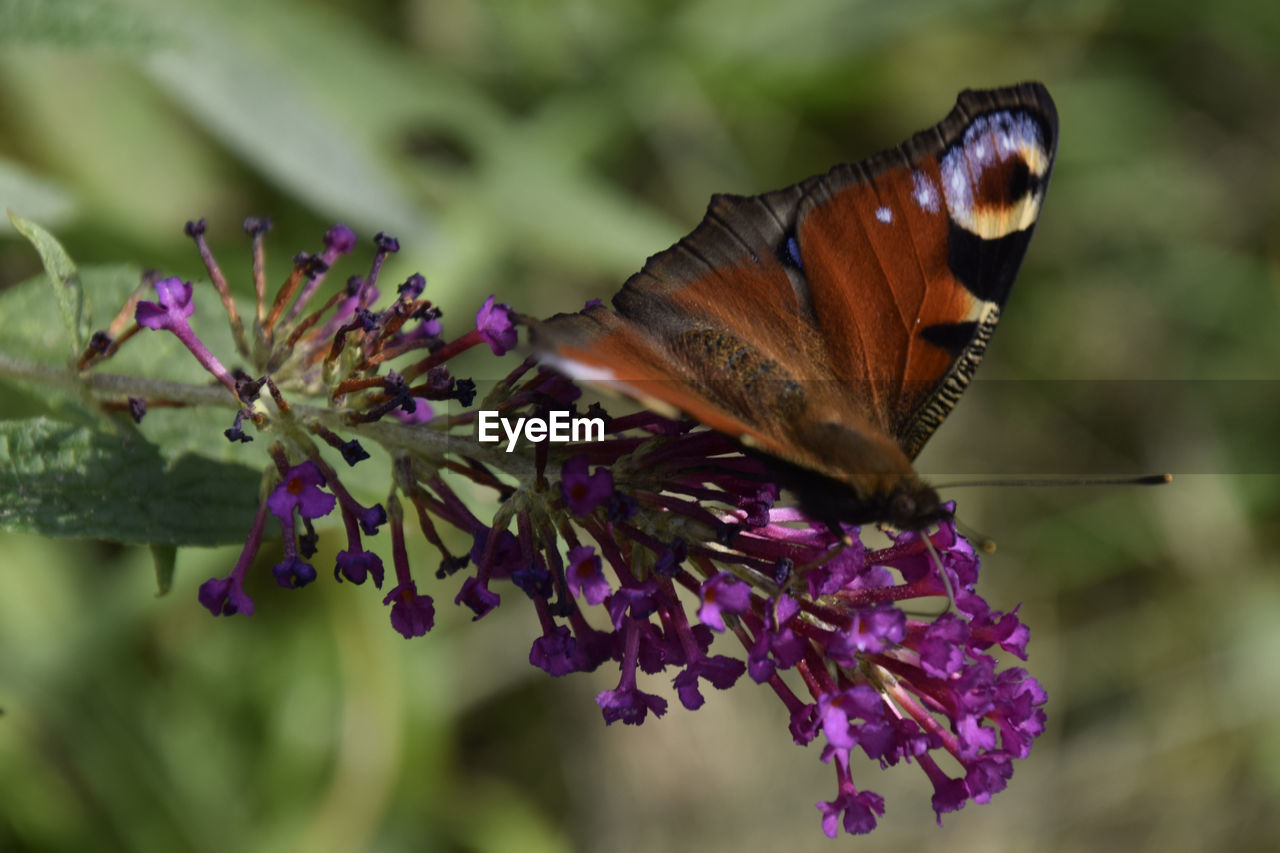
(831,326)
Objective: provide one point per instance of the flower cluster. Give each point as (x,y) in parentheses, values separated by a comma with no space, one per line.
(635,549)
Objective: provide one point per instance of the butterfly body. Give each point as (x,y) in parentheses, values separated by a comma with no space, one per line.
(829,327)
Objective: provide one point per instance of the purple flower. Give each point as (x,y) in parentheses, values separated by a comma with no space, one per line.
(504,558)
(986,776)
(170,313)
(991,627)
(592,647)
(301,489)
(422,412)
(1019,711)
(837,712)
(493,321)
(412,287)
(949,795)
(871,630)
(804,723)
(627,702)
(630,705)
(412,614)
(860,810)
(584,492)
(171,309)
(477,596)
(370,518)
(339,240)
(942,649)
(225,597)
(847,567)
(355,566)
(776,644)
(721,671)
(635,601)
(533,580)
(584,575)
(554,651)
(723,593)
(293,573)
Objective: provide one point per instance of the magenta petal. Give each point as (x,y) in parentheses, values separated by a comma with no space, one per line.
(584,575)
(340,239)
(225,597)
(301,488)
(213,596)
(584,492)
(554,652)
(631,706)
(477,596)
(723,593)
(493,321)
(411,614)
(356,566)
(173,306)
(149,315)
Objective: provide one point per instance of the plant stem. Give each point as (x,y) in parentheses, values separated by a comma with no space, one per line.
(391,434)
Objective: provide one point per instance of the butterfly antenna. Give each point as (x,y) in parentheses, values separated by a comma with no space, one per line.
(832,552)
(942,572)
(987,545)
(977,538)
(1144,480)
(946,582)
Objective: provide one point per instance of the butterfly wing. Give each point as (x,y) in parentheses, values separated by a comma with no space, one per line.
(717,327)
(910,255)
(833,324)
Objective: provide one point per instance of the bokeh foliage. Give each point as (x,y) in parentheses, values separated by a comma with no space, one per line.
(541,150)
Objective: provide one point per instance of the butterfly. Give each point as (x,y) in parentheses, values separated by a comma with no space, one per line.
(830,327)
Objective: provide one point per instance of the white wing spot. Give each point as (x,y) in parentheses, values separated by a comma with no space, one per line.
(884,214)
(925,193)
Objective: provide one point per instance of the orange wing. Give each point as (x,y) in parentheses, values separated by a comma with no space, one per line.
(911,254)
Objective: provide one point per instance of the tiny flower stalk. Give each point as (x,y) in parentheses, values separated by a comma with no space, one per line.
(195,230)
(636,543)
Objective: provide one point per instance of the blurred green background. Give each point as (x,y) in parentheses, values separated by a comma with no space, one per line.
(541,150)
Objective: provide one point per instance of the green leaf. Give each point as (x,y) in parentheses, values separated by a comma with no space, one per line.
(166,559)
(286,129)
(58,479)
(75,23)
(31,330)
(62,273)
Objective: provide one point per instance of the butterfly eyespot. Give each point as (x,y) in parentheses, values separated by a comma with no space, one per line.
(1019,179)
(790,253)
